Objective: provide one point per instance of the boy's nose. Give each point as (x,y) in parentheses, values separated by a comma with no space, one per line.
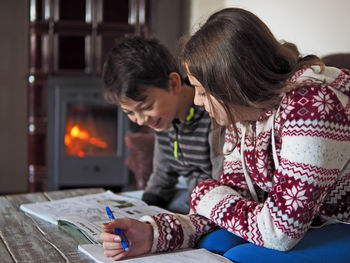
(142,119)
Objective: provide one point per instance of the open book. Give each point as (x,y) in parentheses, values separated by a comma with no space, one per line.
(87,213)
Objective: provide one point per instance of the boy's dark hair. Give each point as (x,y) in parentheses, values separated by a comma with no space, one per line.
(133,63)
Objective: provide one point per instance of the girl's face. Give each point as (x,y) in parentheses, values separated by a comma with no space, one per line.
(157,111)
(216,110)
(213,107)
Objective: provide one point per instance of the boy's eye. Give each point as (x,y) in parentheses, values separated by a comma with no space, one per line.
(128,112)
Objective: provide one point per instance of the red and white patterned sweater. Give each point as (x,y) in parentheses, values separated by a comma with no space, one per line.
(300,174)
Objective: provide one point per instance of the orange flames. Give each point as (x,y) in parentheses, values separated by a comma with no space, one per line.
(80,142)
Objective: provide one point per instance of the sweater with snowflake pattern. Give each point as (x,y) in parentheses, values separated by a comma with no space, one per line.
(281,172)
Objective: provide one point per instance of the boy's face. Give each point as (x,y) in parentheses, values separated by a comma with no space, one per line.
(157,111)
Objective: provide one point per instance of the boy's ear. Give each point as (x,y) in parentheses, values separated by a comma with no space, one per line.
(175,83)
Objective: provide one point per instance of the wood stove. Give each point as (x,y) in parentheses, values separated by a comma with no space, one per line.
(85,135)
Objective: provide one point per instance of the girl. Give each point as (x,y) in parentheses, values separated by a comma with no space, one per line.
(286,167)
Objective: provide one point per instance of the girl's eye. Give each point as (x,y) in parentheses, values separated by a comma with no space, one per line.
(129,113)
(202,94)
(149,107)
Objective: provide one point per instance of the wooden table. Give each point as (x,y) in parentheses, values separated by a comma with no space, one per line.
(25,238)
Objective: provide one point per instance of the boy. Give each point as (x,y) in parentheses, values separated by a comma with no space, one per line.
(142,77)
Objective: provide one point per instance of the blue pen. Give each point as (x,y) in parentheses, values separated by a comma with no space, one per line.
(125,241)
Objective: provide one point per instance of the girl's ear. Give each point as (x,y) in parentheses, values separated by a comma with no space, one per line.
(175,83)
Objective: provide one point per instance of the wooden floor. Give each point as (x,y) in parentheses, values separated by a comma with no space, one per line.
(25,238)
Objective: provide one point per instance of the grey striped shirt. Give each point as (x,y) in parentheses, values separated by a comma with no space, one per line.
(195,155)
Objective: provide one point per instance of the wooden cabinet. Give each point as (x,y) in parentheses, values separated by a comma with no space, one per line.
(70,38)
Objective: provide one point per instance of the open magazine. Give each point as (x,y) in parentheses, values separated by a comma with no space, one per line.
(87,213)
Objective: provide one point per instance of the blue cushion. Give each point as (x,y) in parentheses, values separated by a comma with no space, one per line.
(220,241)
(327,244)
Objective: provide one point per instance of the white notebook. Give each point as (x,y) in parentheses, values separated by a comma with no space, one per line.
(189,256)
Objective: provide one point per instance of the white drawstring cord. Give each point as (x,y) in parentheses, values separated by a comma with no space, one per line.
(245,171)
(274,151)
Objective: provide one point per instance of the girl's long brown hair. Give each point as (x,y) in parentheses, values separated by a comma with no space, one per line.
(238,61)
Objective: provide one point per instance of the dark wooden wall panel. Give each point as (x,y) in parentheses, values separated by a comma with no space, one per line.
(69,37)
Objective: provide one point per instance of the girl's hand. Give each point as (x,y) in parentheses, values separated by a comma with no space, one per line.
(139,234)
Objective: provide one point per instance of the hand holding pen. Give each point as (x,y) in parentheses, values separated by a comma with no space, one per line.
(139,238)
(124,241)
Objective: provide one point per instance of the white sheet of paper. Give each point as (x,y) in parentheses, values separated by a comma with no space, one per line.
(188,256)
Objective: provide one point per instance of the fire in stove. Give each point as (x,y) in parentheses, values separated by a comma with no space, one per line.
(85,135)
(80,142)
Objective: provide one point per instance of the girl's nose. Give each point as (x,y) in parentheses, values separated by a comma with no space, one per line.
(197,100)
